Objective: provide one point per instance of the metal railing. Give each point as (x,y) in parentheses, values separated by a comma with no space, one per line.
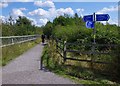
(11,40)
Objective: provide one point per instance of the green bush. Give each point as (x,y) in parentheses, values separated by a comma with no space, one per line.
(73,30)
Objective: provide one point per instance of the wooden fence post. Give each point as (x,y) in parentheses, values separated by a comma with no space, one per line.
(64,51)
(56,44)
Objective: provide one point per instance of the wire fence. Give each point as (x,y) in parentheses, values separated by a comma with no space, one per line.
(11,40)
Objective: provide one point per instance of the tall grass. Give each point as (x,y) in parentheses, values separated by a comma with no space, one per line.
(11,52)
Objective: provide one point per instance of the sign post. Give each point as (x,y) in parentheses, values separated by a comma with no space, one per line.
(91,19)
(94,42)
(90,23)
(94,30)
(102,17)
(88,18)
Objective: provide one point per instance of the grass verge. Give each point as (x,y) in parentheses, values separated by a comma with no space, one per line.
(54,62)
(11,52)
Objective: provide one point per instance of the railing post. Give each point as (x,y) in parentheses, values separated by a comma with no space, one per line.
(64,51)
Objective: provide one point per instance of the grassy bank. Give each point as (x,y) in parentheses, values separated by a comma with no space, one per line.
(11,52)
(71,69)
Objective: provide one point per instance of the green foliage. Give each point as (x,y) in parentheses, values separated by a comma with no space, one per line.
(63,21)
(107,34)
(47,30)
(72,29)
(23,26)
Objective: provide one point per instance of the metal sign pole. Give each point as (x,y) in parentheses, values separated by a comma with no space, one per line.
(93,45)
(94,30)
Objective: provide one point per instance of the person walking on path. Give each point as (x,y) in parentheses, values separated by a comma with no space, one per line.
(43,38)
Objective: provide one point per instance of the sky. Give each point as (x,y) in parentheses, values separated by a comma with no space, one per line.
(40,12)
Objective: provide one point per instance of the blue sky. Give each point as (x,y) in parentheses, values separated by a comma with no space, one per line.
(42,11)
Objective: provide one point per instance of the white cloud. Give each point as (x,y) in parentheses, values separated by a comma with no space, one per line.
(43,21)
(63,11)
(38,3)
(37,21)
(110,21)
(3,4)
(79,11)
(47,3)
(113,21)
(34,22)
(22,9)
(106,10)
(2,19)
(40,12)
(18,12)
(51,13)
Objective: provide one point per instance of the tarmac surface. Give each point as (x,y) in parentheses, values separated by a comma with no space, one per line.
(25,70)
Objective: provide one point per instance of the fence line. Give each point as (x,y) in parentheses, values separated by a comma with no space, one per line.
(11,40)
(91,52)
(17,36)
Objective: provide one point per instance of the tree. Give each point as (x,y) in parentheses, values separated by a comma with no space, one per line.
(47,30)
(23,26)
(11,20)
(76,15)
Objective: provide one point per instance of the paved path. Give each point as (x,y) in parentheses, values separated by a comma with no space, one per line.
(25,70)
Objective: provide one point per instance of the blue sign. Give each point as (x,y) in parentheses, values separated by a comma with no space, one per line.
(90,24)
(102,17)
(88,18)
